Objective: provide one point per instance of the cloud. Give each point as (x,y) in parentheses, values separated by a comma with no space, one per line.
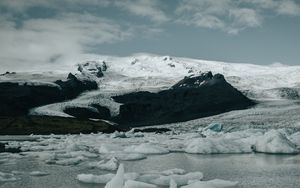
(282,7)
(47,40)
(232,16)
(150,9)
(288,8)
(28,41)
(144,8)
(22,6)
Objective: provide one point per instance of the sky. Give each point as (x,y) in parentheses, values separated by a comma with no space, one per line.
(47,32)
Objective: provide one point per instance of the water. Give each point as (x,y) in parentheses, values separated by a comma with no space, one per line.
(250,170)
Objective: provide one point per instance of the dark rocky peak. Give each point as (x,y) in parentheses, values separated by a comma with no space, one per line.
(7,73)
(76,84)
(92,68)
(199,80)
(191,98)
(167,58)
(133,62)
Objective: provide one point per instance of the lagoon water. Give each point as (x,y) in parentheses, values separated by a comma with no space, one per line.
(250,170)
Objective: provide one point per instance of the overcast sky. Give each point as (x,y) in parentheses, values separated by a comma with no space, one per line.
(34,32)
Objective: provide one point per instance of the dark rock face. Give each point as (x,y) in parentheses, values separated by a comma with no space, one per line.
(25,125)
(152,130)
(104,112)
(9,150)
(190,98)
(17,99)
(98,112)
(92,68)
(73,86)
(2,147)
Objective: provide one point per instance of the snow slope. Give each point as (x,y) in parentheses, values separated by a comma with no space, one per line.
(155,73)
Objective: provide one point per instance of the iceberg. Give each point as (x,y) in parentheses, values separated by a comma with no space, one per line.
(118,180)
(216,145)
(90,178)
(276,142)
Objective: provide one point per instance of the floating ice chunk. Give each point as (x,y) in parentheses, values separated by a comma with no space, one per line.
(71,161)
(137,184)
(179,179)
(111,164)
(127,156)
(102,179)
(148,177)
(295,138)
(173,184)
(90,178)
(83,154)
(5,177)
(118,180)
(38,173)
(110,148)
(17,172)
(215,145)
(173,171)
(216,183)
(147,148)
(275,141)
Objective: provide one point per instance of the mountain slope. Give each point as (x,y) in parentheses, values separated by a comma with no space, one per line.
(146,72)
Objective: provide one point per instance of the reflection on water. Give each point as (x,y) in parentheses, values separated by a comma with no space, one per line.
(251,170)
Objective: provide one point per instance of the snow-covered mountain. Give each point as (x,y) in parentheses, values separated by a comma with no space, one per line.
(147,72)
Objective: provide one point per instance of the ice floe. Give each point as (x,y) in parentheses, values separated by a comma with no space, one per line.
(91,178)
(179,179)
(38,173)
(147,148)
(111,164)
(216,183)
(6,177)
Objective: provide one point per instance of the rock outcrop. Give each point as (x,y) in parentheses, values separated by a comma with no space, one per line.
(92,68)
(16,98)
(94,112)
(193,97)
(25,125)
(74,85)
